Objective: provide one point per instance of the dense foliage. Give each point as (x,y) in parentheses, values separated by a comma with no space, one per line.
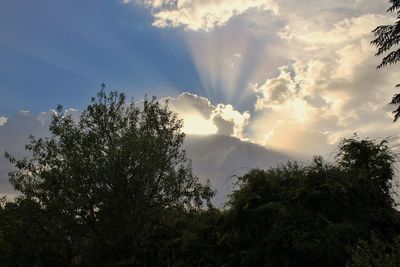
(116,189)
(107,188)
(313,215)
(376,253)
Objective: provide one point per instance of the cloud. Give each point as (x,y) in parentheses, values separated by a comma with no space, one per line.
(224,127)
(310,66)
(275,91)
(341,32)
(14,135)
(201,117)
(220,158)
(329,88)
(201,14)
(325,88)
(232,117)
(2,120)
(187,102)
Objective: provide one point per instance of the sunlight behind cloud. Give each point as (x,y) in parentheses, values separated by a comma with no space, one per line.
(238,121)
(2,120)
(220,39)
(197,124)
(201,117)
(307,71)
(219,60)
(300,110)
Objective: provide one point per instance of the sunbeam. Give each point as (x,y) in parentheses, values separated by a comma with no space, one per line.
(218,57)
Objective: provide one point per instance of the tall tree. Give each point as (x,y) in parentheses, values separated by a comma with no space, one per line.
(112,180)
(387,39)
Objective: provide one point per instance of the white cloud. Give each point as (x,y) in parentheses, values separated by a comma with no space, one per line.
(2,120)
(201,117)
(229,120)
(275,91)
(329,89)
(201,14)
(341,32)
(311,66)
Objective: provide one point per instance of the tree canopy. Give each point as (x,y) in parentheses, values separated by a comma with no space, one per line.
(313,215)
(108,181)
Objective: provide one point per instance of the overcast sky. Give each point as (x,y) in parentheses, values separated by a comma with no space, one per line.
(284,74)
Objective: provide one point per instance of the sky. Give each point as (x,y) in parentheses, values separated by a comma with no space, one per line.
(285,75)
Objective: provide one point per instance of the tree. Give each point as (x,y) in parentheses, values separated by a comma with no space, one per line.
(312,215)
(29,237)
(376,253)
(111,181)
(369,159)
(387,39)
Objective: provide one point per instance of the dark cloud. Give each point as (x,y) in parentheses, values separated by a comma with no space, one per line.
(225,127)
(221,158)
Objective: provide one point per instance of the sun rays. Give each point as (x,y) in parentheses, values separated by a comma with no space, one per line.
(219,58)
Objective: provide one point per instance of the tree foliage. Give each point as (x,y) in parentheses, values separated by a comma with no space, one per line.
(312,215)
(111,182)
(387,39)
(376,253)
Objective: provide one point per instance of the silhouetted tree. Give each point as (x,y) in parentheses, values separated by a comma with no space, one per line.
(387,39)
(29,236)
(311,216)
(113,183)
(376,253)
(369,161)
